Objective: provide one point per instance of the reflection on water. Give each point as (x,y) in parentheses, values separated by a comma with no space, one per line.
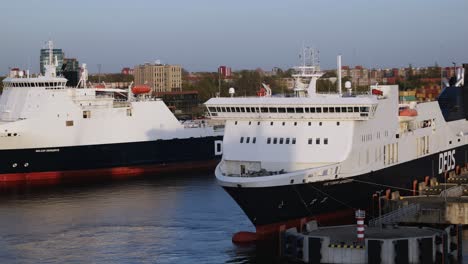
(164,219)
(167,219)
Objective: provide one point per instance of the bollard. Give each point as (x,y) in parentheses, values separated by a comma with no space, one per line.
(360,216)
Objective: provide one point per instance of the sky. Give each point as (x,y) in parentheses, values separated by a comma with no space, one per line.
(200,35)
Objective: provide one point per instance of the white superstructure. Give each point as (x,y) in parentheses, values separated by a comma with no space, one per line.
(313,137)
(42,112)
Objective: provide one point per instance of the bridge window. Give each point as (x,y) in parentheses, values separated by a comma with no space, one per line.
(281,110)
(242,140)
(325,109)
(264,109)
(318,109)
(325,141)
(320,123)
(273,110)
(87,114)
(317,141)
(281,140)
(268,140)
(254,140)
(293,141)
(343,109)
(312,109)
(337,123)
(275,140)
(284,123)
(271,123)
(332,110)
(310,141)
(356,109)
(218,109)
(287,141)
(228,109)
(247,140)
(299,110)
(337,109)
(310,123)
(247,109)
(238,109)
(290,109)
(307,109)
(233,109)
(295,123)
(250,122)
(365,109)
(212,109)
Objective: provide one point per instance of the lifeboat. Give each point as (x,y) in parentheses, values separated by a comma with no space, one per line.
(141,89)
(408,112)
(261,92)
(100,86)
(377,92)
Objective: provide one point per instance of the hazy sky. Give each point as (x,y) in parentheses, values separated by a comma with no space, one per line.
(200,35)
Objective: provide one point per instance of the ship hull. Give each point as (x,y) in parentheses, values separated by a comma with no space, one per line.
(333,202)
(115,160)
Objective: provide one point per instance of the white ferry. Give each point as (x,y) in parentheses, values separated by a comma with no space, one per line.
(290,159)
(51,131)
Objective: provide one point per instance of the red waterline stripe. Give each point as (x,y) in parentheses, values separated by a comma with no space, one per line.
(116,172)
(334,218)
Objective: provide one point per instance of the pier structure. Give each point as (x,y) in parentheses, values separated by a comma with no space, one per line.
(426,227)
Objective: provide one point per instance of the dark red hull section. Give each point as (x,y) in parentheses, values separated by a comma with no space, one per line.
(335,218)
(55,177)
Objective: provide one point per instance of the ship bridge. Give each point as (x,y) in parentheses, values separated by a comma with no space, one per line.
(328,107)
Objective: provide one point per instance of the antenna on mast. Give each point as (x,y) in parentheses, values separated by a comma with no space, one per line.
(50,67)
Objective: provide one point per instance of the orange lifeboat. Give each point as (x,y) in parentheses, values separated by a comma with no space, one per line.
(100,86)
(141,89)
(261,92)
(408,112)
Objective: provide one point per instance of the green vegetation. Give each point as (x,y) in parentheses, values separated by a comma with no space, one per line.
(245,82)
(1,83)
(414,81)
(108,78)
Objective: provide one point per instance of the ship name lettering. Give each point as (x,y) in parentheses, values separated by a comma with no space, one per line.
(47,150)
(337,182)
(446,161)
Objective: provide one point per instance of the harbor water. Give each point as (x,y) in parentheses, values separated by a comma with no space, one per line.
(164,219)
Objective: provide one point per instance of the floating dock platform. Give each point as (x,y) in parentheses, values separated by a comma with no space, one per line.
(389,244)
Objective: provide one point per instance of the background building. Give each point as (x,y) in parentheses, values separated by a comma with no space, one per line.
(44,59)
(71,64)
(224,71)
(126,71)
(160,77)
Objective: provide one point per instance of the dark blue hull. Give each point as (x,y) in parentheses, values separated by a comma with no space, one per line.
(32,163)
(282,204)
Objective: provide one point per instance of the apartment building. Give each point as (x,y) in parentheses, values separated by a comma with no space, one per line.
(160,77)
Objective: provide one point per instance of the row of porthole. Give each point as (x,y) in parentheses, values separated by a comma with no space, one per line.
(284,123)
(14,165)
(11,135)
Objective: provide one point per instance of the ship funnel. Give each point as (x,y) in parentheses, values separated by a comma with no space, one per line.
(464,73)
(465,90)
(338,73)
